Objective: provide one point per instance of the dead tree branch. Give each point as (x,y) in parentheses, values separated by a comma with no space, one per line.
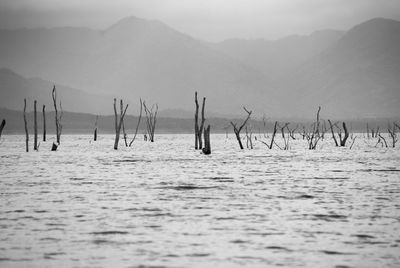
(382,139)
(315,135)
(124,133)
(151,119)
(272,138)
(118,122)
(237,130)
(138,123)
(333,133)
(354,139)
(393,134)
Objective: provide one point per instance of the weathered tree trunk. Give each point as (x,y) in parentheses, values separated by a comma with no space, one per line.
(118,123)
(201,124)
(354,140)
(124,133)
(273,135)
(138,123)
(247,137)
(333,133)
(393,134)
(26,129)
(35,129)
(317,128)
(286,138)
(207,147)
(44,122)
(237,134)
(3,123)
(57,118)
(196,122)
(346,135)
(237,130)
(95,128)
(117,130)
(151,119)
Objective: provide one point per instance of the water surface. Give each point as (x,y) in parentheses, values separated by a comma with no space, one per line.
(164,204)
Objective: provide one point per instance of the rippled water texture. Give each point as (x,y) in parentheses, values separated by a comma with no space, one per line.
(164,204)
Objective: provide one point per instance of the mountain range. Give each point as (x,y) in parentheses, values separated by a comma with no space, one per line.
(350,74)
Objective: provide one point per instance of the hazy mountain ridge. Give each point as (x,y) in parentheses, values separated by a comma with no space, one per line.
(14,88)
(352,74)
(133,58)
(277,58)
(358,75)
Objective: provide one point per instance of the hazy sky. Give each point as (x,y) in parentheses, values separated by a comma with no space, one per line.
(211,20)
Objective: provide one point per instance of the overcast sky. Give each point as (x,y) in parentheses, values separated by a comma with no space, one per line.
(210,20)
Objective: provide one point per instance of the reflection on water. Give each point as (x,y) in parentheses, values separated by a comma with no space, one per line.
(164,204)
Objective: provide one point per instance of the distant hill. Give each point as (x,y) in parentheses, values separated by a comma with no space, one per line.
(276,59)
(359,76)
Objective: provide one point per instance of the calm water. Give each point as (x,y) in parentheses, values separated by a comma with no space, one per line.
(164,204)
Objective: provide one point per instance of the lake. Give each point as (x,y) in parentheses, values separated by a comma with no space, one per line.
(163,204)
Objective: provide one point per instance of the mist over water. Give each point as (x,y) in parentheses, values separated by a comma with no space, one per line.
(164,204)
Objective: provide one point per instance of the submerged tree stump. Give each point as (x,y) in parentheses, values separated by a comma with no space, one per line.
(207,147)
(3,123)
(346,135)
(95,128)
(54,147)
